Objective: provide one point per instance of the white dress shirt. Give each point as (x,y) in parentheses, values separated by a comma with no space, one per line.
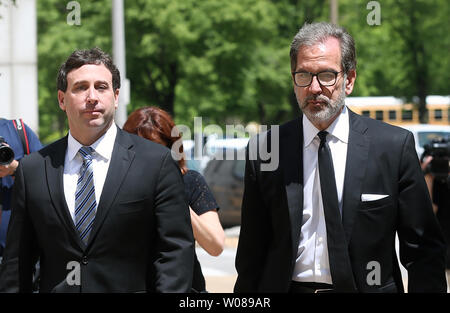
(100,162)
(312,264)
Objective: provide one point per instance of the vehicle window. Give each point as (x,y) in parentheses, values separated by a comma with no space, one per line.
(407,115)
(438,114)
(392,115)
(239,169)
(379,115)
(194,165)
(425,137)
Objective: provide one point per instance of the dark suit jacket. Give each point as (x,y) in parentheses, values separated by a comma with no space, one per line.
(141,238)
(381,159)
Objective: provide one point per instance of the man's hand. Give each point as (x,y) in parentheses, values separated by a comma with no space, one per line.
(9,169)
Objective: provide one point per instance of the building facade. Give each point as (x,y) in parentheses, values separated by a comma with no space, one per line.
(18,61)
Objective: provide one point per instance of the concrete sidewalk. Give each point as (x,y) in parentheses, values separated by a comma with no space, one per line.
(220,273)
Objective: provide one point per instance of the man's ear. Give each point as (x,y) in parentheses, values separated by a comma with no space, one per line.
(61,100)
(350,83)
(116,98)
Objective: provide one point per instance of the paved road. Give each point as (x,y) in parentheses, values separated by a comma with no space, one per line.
(220,273)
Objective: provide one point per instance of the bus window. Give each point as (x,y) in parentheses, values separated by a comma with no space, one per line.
(438,114)
(365,113)
(379,115)
(407,115)
(392,115)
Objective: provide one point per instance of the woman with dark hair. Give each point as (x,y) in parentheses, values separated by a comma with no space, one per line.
(156,125)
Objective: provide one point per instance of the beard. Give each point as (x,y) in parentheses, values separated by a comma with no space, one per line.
(329,109)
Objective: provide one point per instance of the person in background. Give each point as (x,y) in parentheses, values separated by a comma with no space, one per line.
(428,178)
(156,125)
(11,137)
(439,189)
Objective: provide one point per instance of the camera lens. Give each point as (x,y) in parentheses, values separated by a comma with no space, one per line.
(6,154)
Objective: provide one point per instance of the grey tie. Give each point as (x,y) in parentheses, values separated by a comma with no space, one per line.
(85,203)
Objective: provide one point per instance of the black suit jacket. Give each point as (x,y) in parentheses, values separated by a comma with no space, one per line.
(141,238)
(381,159)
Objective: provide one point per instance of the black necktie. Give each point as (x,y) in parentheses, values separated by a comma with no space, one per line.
(340,267)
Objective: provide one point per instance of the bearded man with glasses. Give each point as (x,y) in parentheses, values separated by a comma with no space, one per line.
(326,219)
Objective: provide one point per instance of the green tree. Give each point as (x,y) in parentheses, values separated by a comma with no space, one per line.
(228,61)
(292,15)
(406,55)
(198,57)
(423,37)
(57,39)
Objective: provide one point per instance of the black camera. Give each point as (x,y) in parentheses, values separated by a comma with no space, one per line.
(439,149)
(6,153)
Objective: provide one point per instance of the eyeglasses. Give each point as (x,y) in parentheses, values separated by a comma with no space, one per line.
(325,78)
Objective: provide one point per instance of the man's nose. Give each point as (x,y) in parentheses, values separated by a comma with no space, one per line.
(315,87)
(92,96)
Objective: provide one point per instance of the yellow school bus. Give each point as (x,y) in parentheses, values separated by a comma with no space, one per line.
(393,111)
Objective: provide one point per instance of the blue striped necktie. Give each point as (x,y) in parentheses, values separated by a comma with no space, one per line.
(85,203)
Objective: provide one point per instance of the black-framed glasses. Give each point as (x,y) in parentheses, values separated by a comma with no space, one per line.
(325,78)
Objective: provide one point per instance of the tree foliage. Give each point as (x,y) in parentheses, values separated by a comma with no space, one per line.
(197,58)
(228,61)
(407,54)
(57,39)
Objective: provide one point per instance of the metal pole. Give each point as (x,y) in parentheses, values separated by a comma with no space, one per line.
(334,11)
(118,41)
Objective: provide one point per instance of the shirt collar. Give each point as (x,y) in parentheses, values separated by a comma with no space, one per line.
(339,128)
(309,131)
(103,146)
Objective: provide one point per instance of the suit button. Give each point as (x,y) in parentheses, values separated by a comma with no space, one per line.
(84,260)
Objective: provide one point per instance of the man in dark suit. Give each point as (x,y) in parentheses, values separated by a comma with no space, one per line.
(102,209)
(325,220)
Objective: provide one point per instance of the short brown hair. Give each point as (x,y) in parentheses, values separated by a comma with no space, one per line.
(82,57)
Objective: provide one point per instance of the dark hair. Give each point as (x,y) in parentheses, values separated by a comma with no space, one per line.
(311,34)
(82,57)
(156,125)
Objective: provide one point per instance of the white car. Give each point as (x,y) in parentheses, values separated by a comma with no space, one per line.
(424,133)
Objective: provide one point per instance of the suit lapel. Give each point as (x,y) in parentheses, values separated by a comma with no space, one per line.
(291,161)
(355,169)
(54,167)
(121,159)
